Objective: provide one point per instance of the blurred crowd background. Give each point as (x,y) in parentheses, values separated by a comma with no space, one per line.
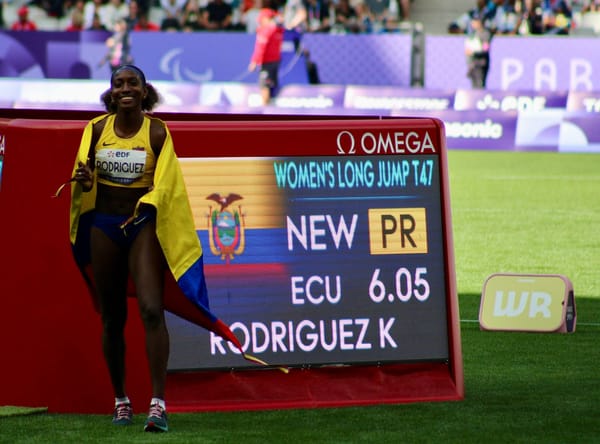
(508,17)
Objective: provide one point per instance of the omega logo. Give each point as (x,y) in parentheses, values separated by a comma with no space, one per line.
(390,142)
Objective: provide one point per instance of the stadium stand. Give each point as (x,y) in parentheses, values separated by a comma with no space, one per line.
(433,14)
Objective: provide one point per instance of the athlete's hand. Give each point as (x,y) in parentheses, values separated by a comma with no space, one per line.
(84,175)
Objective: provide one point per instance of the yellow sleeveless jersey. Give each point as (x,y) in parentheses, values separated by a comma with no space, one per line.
(125,162)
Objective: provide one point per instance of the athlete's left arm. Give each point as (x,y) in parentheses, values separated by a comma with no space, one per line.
(158,134)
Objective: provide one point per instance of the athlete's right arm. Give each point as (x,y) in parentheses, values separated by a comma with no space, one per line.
(84,174)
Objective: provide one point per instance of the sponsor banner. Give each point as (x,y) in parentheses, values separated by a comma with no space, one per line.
(539,124)
(588,101)
(495,100)
(492,130)
(390,98)
(544,64)
(325,112)
(321,97)
(517,63)
(557,129)
(59,94)
(579,132)
(9,91)
(229,94)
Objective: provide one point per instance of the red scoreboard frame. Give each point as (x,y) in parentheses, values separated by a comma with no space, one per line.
(48,310)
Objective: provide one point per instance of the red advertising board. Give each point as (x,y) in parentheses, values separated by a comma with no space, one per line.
(327,249)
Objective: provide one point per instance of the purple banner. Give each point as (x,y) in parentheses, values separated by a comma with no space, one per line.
(183,57)
(517,63)
(474,130)
(445,63)
(209,57)
(494,100)
(558,129)
(584,101)
(67,55)
(321,97)
(487,121)
(398,99)
(545,63)
(380,59)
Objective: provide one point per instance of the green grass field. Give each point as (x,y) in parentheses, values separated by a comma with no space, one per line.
(512,212)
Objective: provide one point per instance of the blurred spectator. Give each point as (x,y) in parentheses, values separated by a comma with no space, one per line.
(477,50)
(557,17)
(76,21)
(250,17)
(236,15)
(387,14)
(114,11)
(508,17)
(346,19)
(144,6)
(143,23)
(119,47)
(295,16)
(173,10)
(77,5)
(590,5)
(317,12)
(397,11)
(534,17)
(53,8)
(133,14)
(217,16)
(191,19)
(91,8)
(380,13)
(365,17)
(483,10)
(97,24)
(267,50)
(247,4)
(405,9)
(23,23)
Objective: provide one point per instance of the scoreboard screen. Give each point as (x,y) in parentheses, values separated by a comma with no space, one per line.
(325,243)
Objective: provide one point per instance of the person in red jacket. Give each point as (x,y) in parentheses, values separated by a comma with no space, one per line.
(23,24)
(267,49)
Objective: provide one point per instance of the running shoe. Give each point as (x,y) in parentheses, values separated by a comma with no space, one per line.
(157,419)
(123,414)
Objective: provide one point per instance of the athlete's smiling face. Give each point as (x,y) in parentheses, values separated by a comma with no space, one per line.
(127,89)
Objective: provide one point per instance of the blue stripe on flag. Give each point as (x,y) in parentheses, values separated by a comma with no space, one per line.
(193,286)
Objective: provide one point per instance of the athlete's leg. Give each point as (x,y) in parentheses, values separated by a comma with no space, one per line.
(109,264)
(147,267)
